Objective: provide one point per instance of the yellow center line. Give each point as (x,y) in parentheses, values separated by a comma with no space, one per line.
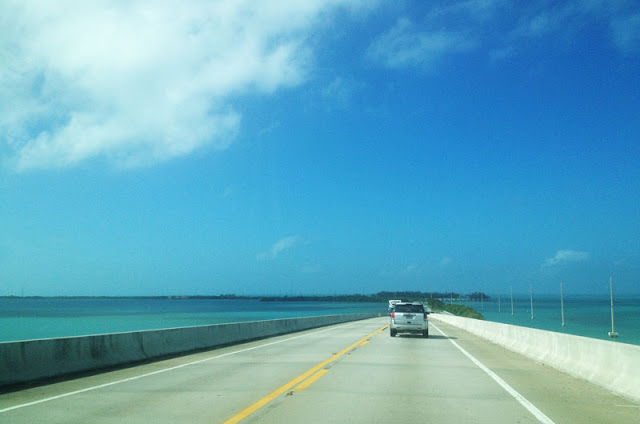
(271,396)
(309,381)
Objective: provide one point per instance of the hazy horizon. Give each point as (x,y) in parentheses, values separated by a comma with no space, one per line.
(492,295)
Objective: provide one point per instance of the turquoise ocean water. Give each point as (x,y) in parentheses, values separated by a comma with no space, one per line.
(35,318)
(38,318)
(584,315)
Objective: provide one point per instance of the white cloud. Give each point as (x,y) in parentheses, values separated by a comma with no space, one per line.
(563,257)
(278,247)
(405,45)
(139,83)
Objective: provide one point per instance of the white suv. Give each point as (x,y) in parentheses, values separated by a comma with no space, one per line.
(409,318)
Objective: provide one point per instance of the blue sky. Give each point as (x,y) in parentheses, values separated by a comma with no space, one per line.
(319,147)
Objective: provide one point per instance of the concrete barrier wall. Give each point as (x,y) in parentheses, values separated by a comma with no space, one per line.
(31,360)
(613,365)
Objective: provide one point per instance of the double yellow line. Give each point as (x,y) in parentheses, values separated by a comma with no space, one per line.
(302,381)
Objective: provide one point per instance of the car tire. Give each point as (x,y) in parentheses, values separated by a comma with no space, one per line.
(425,334)
(392,333)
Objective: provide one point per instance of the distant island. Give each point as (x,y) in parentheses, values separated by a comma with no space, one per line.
(434,300)
(383,296)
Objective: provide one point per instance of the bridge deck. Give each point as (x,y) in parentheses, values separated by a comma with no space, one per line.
(345,373)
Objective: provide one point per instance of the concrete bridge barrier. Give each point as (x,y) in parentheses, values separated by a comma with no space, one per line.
(31,360)
(612,365)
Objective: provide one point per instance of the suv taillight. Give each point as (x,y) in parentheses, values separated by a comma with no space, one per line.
(393,315)
(425,316)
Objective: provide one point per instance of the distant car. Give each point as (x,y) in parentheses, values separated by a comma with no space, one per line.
(409,318)
(392,304)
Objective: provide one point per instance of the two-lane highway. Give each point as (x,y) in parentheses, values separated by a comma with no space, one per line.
(348,373)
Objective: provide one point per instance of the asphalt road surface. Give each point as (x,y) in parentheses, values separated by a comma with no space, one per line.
(348,373)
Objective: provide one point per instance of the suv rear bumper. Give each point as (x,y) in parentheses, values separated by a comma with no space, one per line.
(401,328)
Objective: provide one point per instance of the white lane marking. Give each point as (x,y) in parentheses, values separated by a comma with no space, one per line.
(88,389)
(521,399)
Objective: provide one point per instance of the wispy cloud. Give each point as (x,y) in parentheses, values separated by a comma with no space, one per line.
(446,261)
(137,85)
(563,257)
(273,126)
(464,26)
(339,92)
(551,18)
(278,247)
(407,45)
(498,55)
(626,32)
(411,268)
(312,269)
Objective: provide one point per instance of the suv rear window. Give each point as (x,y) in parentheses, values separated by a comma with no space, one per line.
(409,308)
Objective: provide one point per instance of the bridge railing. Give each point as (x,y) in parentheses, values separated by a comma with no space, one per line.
(612,365)
(31,360)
